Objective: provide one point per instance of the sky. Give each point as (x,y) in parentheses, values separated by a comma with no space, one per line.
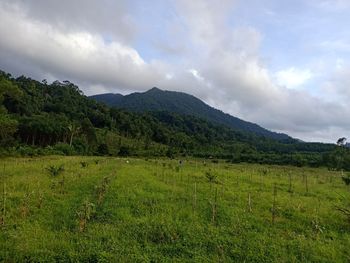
(282,64)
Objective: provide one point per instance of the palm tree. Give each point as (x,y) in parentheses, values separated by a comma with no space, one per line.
(73,129)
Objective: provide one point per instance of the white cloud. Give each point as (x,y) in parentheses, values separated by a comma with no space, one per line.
(293,77)
(218,62)
(82,56)
(196,74)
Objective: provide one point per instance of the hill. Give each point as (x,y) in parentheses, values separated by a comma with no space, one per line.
(178,102)
(37,118)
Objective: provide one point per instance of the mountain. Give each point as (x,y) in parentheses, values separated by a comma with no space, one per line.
(182,103)
(38,118)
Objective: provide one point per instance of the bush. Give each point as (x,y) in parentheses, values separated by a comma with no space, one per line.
(124,151)
(54,171)
(27,151)
(103,149)
(64,148)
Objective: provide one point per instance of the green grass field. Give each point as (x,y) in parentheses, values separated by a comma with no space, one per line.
(132,210)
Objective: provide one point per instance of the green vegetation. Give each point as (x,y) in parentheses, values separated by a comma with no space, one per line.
(161,210)
(183,104)
(38,118)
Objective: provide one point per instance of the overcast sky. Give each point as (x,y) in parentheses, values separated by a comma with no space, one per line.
(282,64)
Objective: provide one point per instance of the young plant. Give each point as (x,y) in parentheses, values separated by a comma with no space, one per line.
(212,178)
(24,210)
(55,171)
(40,200)
(102,189)
(61,183)
(84,213)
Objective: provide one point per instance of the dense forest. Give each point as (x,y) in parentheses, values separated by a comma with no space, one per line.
(181,103)
(38,118)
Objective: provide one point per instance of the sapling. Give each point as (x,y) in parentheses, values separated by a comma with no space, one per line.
(84,214)
(102,189)
(212,178)
(55,171)
(40,200)
(25,205)
(61,184)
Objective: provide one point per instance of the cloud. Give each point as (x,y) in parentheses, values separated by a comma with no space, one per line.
(293,77)
(76,16)
(100,46)
(81,56)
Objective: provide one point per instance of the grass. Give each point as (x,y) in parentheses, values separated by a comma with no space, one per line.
(133,210)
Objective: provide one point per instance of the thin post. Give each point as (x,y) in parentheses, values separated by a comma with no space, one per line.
(214,207)
(194,197)
(249,203)
(274,204)
(306,184)
(3,214)
(290,182)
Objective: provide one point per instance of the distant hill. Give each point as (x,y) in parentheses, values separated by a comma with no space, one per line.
(178,102)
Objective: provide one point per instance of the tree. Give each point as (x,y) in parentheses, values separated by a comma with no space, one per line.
(341,141)
(73,129)
(89,131)
(8,129)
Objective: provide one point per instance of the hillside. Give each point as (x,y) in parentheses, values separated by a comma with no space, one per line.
(182,103)
(37,118)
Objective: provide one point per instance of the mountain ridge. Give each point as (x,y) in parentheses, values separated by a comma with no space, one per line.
(156,99)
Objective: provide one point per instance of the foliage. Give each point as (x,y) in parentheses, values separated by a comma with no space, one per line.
(211,177)
(38,118)
(118,212)
(54,171)
(183,104)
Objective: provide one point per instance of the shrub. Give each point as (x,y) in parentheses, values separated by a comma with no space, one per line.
(124,151)
(54,171)
(64,148)
(103,149)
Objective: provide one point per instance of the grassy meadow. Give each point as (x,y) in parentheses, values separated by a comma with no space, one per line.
(98,209)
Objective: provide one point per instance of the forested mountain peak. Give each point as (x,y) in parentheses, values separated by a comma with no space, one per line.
(156,99)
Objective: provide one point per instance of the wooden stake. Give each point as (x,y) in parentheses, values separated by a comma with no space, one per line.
(306,184)
(249,203)
(290,182)
(3,214)
(274,204)
(194,197)
(214,207)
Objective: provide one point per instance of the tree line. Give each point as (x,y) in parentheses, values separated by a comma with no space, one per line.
(57,118)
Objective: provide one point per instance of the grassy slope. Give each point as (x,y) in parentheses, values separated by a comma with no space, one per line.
(149,212)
